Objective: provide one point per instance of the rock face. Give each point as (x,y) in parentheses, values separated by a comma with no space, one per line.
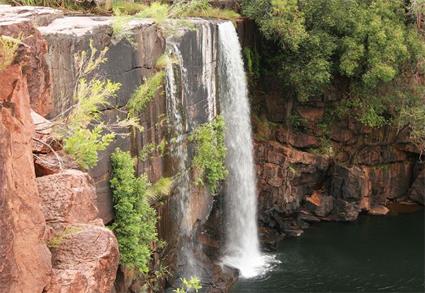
(25,258)
(68,197)
(84,253)
(416,191)
(85,260)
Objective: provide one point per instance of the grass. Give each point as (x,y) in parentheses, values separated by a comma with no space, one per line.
(8,50)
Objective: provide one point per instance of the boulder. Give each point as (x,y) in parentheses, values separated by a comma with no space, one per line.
(319,204)
(84,253)
(68,197)
(345,211)
(379,211)
(389,181)
(85,260)
(52,163)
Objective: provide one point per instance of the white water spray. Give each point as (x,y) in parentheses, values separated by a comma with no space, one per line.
(242,245)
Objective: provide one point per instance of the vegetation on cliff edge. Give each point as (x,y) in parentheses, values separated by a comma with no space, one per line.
(372,52)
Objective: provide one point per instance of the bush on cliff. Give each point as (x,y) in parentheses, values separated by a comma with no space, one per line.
(135,220)
(210,153)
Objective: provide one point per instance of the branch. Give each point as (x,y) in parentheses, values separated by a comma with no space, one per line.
(53,151)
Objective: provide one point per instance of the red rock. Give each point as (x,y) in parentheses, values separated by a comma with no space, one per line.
(25,259)
(312,115)
(342,135)
(350,183)
(321,205)
(314,199)
(389,181)
(52,163)
(298,140)
(379,211)
(85,260)
(34,66)
(68,198)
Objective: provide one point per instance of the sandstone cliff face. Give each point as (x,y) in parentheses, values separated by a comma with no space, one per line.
(52,240)
(26,264)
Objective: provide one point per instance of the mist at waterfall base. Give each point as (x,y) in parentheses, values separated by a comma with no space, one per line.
(374,254)
(242,249)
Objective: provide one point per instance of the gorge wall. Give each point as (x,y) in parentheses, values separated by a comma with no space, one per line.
(312,166)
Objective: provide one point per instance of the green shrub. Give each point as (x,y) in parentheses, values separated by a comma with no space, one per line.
(210,153)
(135,220)
(414,118)
(193,284)
(145,93)
(83,133)
(81,128)
(84,144)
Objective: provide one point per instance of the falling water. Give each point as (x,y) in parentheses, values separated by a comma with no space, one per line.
(175,94)
(242,245)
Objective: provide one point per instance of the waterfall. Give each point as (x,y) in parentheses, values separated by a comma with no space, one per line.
(242,245)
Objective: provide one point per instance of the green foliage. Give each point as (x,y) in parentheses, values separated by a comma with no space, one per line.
(151,148)
(252,61)
(8,50)
(82,130)
(210,153)
(200,8)
(160,189)
(414,117)
(297,122)
(83,133)
(135,220)
(363,47)
(145,93)
(160,12)
(193,284)
(120,8)
(262,128)
(84,144)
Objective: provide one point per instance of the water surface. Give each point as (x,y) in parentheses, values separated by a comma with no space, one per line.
(374,254)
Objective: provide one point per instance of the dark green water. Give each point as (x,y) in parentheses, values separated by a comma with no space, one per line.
(375,254)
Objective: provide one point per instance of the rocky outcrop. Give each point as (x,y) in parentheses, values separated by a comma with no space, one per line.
(342,168)
(85,259)
(56,211)
(68,197)
(84,253)
(25,265)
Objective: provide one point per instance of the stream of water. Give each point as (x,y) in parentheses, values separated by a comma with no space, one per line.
(375,254)
(242,246)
